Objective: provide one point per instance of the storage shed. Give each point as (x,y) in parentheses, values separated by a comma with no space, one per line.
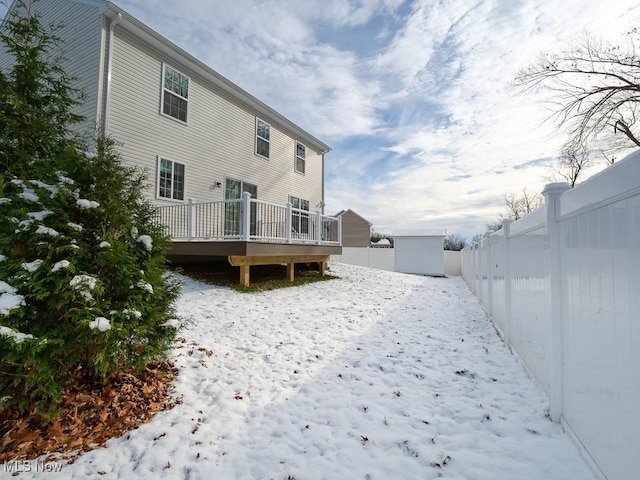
(419,252)
(356,230)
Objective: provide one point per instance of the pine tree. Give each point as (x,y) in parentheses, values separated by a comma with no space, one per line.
(83,280)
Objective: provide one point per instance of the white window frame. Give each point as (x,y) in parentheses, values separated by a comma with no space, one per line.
(172,187)
(164,90)
(302,158)
(259,137)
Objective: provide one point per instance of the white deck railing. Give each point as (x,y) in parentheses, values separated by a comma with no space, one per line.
(248,219)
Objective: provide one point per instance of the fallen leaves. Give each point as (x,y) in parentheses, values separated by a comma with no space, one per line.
(92,413)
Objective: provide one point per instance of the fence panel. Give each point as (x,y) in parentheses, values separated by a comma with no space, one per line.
(572,283)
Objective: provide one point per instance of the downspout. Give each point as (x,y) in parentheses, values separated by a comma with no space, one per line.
(107,95)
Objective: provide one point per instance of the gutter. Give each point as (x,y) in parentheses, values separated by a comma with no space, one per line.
(107,96)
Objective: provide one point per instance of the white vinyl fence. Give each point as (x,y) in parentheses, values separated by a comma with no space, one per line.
(562,286)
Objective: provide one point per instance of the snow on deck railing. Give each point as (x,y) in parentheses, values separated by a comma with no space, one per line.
(248,219)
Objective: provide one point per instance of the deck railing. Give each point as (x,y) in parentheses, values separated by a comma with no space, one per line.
(248,219)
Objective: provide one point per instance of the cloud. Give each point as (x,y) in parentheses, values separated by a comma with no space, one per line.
(413,95)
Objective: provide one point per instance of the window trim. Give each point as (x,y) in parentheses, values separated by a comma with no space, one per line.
(184,181)
(268,140)
(170,92)
(298,157)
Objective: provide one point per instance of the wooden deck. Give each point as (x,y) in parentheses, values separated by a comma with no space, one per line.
(245,254)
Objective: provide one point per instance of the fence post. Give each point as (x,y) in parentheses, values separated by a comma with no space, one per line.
(552,193)
(191,219)
(506,226)
(318,227)
(489,273)
(246,216)
(288,222)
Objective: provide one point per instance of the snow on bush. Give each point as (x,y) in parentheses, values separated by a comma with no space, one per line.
(147,241)
(88,204)
(101,324)
(17,337)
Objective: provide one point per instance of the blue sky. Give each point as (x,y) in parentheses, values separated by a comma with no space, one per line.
(413,95)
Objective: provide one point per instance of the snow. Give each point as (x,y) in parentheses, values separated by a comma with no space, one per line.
(30,195)
(104,244)
(42,230)
(9,299)
(75,226)
(17,337)
(145,286)
(41,215)
(146,240)
(84,284)
(375,375)
(84,203)
(3,258)
(100,323)
(32,266)
(4,200)
(60,265)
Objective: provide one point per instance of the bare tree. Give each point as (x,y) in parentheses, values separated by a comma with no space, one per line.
(455,242)
(571,164)
(593,88)
(519,206)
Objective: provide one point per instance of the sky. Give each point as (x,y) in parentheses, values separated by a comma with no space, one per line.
(413,96)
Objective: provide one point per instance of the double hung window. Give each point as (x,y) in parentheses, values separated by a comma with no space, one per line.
(263,138)
(175,93)
(301,157)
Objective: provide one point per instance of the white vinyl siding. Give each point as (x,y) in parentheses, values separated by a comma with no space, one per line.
(81,34)
(170,179)
(218,143)
(175,93)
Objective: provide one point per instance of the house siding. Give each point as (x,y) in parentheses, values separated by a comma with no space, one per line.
(81,33)
(217,142)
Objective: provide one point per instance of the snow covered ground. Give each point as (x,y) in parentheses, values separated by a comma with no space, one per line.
(375,375)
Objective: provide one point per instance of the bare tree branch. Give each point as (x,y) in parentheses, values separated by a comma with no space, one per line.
(592,88)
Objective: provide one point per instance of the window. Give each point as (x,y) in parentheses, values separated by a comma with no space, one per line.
(301,153)
(263,136)
(170,179)
(175,94)
(299,220)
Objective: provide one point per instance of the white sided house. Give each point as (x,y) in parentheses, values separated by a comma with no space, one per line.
(202,140)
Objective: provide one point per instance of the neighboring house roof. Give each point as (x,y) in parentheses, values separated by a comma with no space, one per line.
(177,54)
(342,212)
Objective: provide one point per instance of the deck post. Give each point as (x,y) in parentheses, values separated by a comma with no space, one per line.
(288,223)
(339,230)
(244,275)
(318,227)
(191,217)
(246,216)
(291,271)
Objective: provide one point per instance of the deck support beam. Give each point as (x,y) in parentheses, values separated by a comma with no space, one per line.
(246,261)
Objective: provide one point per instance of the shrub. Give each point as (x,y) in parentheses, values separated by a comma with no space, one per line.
(83,280)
